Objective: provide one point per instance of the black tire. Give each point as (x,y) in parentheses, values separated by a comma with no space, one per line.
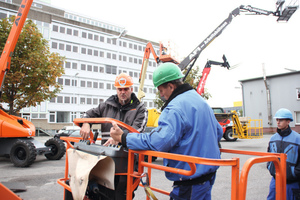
(228,135)
(58,149)
(23,153)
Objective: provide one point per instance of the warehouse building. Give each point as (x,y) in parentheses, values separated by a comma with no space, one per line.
(263,96)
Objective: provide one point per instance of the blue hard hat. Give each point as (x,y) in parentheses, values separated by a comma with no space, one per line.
(284,113)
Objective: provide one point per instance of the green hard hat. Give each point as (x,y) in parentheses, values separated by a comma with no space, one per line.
(166,72)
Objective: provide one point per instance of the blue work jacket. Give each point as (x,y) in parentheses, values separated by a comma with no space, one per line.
(187,126)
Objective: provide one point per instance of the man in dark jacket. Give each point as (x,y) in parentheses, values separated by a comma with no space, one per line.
(286,141)
(125,107)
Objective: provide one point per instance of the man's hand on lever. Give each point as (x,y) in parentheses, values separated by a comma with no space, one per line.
(85,131)
(116,132)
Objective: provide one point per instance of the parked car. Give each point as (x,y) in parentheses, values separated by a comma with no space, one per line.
(68,133)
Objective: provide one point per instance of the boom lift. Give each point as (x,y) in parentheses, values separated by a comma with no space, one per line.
(16,133)
(164,56)
(189,61)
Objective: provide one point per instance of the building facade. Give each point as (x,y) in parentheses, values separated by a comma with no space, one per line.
(95,51)
(262,97)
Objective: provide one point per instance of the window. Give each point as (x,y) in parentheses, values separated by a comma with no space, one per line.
(67,99)
(108,55)
(69,31)
(114,56)
(111,69)
(150,76)
(140,61)
(140,48)
(124,58)
(96,37)
(74,83)
(68,47)
(74,100)
(108,86)
(135,89)
(95,68)
(74,65)
(52,100)
(75,49)
(298,94)
(63,117)
(135,47)
(62,29)
(101,85)
(61,46)
(130,45)
(83,67)
(89,68)
(67,82)
(68,65)
(95,53)
(82,100)
(83,34)
(135,74)
(130,59)
(54,45)
(131,74)
(83,50)
(82,83)
(89,84)
(88,100)
(90,52)
(135,60)
(60,81)
(101,39)
(75,32)
(108,40)
(146,105)
(124,44)
(101,69)
(90,36)
(59,99)
(95,101)
(297,118)
(55,28)
(52,117)
(95,84)
(101,54)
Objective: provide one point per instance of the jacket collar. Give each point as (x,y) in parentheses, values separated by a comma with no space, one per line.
(114,101)
(285,132)
(179,90)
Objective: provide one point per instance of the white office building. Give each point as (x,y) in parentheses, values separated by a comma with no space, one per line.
(95,53)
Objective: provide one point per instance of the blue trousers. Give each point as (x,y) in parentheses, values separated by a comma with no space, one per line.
(289,190)
(200,191)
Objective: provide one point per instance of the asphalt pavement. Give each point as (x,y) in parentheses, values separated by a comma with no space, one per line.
(40,179)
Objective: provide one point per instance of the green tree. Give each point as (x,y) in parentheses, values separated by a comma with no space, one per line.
(33,69)
(193,79)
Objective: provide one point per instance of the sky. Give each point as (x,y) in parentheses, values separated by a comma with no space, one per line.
(249,41)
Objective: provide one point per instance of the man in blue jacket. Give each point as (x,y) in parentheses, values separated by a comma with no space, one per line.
(186,126)
(286,141)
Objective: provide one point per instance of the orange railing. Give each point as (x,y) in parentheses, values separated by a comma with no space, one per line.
(238,181)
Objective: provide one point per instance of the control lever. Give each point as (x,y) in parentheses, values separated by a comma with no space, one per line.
(95,136)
